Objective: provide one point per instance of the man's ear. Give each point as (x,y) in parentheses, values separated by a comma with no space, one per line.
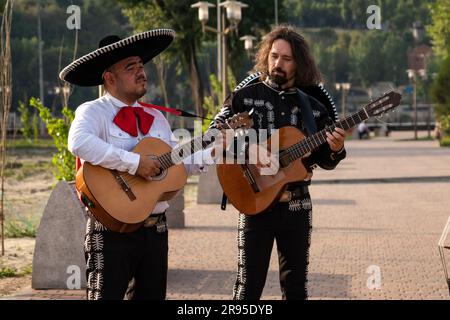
(108,78)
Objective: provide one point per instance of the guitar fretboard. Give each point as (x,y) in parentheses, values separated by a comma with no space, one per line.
(311,143)
(178,154)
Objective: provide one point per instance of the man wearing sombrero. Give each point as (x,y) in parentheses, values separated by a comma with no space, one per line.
(103,133)
(285,91)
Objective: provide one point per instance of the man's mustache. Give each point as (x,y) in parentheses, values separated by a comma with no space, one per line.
(279,70)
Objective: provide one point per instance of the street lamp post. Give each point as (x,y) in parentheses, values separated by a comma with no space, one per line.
(234,16)
(412,75)
(248,42)
(345,87)
(423,74)
(276,12)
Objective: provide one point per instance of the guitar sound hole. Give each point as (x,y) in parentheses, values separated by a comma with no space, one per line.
(160,176)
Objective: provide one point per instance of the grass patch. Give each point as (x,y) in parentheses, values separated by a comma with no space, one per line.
(6,272)
(445,141)
(27,270)
(26,144)
(20,228)
(25,169)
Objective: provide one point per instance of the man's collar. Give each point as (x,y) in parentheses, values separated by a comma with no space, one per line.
(277,87)
(117,103)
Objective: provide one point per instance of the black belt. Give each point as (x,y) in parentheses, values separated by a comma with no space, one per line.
(153,219)
(294,192)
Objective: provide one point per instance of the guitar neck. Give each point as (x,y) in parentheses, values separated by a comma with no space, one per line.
(178,154)
(311,143)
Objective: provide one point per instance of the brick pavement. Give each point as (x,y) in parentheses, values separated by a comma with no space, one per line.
(391,226)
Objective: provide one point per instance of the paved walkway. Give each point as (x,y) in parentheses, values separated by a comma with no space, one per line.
(377,221)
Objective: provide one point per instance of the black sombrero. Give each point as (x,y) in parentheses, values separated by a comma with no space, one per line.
(88,70)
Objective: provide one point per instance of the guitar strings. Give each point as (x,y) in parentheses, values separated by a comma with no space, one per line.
(166,160)
(310,143)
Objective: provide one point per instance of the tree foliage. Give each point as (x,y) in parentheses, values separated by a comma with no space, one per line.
(441,94)
(439,29)
(148,14)
(352,14)
(342,45)
(98,19)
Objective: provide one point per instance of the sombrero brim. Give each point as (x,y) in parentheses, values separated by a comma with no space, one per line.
(316,91)
(88,70)
(323,96)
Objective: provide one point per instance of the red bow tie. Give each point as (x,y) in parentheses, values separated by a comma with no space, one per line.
(125,119)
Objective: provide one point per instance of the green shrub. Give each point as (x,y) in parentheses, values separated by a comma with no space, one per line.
(21,228)
(25,120)
(445,141)
(6,272)
(58,129)
(212,103)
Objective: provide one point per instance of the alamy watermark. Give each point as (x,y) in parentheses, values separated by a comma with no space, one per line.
(74,20)
(374,280)
(74,280)
(374,20)
(245,147)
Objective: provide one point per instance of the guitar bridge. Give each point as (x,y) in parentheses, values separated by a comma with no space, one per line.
(123,184)
(250,178)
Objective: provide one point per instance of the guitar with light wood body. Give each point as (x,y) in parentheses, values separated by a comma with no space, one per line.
(121,201)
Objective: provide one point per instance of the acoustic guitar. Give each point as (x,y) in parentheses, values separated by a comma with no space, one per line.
(252,193)
(120,201)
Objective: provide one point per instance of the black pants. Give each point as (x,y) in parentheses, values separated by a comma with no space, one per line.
(114,259)
(290,225)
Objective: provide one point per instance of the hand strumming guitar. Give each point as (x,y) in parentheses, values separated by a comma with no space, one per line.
(148,168)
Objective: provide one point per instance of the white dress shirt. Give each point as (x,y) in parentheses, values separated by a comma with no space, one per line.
(94,137)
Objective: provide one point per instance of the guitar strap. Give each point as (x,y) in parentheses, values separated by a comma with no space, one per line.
(309,124)
(177,112)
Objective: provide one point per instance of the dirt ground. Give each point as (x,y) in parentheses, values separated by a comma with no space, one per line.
(19,257)
(28,184)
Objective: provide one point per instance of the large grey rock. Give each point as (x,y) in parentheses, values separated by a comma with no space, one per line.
(209,189)
(58,261)
(175,213)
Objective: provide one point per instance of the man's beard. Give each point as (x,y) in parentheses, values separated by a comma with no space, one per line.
(279,78)
(141,93)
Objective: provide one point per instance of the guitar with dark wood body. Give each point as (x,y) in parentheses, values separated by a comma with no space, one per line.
(252,193)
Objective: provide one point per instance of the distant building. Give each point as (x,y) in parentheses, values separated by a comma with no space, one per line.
(417,57)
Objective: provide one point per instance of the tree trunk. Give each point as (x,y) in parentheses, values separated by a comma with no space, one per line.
(195,80)
(161,72)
